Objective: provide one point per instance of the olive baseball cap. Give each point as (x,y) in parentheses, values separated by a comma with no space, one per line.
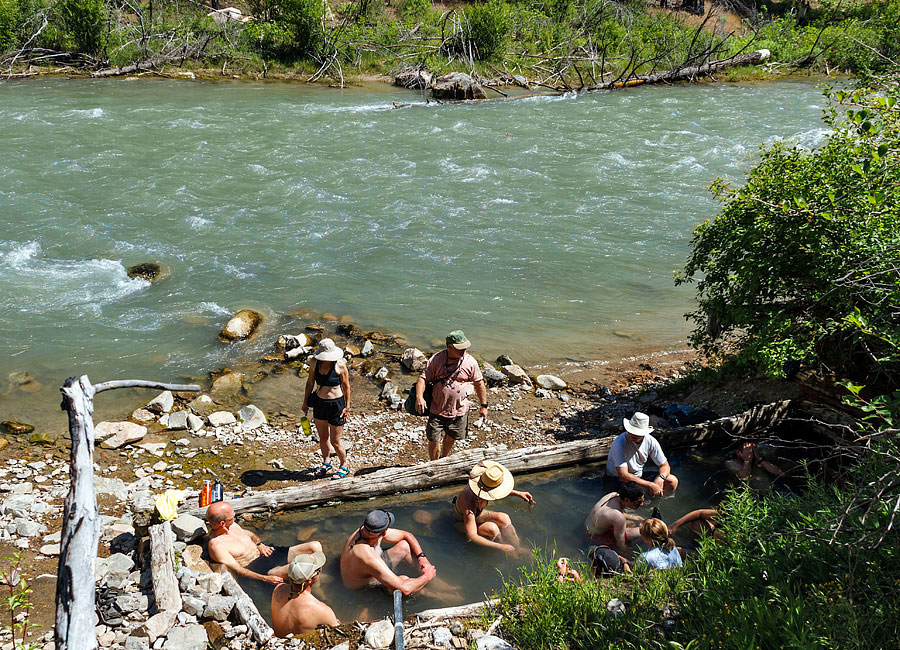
(458,340)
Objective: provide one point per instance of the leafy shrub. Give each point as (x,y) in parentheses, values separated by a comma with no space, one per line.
(414,10)
(289,29)
(81,23)
(11,21)
(489,27)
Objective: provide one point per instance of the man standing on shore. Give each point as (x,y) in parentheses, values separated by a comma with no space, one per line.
(243,552)
(628,454)
(450,371)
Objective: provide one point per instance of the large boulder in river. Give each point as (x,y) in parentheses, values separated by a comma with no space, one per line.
(241,325)
(457,85)
(413,77)
(149,271)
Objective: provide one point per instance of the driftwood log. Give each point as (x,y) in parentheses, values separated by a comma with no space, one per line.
(454,469)
(80,534)
(162,567)
(686,73)
(246,611)
(460,611)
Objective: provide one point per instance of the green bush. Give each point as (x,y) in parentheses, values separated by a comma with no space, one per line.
(82,23)
(489,27)
(288,29)
(11,21)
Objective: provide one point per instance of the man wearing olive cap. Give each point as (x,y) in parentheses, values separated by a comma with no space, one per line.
(294,608)
(449,371)
(364,561)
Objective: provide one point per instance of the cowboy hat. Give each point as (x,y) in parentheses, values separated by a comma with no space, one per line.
(490,480)
(328,351)
(639,424)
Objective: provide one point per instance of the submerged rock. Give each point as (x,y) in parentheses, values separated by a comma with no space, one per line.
(228,384)
(24,382)
(15,428)
(457,85)
(241,326)
(149,271)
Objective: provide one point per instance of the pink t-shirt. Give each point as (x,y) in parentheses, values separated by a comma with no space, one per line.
(449,398)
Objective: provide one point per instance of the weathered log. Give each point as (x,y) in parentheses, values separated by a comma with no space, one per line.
(246,611)
(162,567)
(455,468)
(460,611)
(686,73)
(80,533)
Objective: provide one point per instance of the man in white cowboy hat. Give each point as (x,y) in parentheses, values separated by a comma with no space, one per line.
(294,608)
(449,372)
(488,481)
(628,454)
(363,561)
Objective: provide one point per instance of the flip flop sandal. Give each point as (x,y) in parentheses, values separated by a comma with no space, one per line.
(341,473)
(322,470)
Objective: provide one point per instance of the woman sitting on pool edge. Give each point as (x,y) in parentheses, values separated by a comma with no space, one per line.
(488,481)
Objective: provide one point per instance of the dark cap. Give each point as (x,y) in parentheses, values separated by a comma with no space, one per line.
(378,521)
(604,560)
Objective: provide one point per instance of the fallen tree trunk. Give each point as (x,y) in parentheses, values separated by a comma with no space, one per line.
(687,73)
(162,567)
(455,468)
(246,611)
(460,611)
(140,66)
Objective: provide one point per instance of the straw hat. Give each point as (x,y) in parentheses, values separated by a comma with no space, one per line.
(490,480)
(328,351)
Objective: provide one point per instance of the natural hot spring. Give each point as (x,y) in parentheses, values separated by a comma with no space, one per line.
(563,497)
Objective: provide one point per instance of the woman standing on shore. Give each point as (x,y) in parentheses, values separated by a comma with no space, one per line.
(330,403)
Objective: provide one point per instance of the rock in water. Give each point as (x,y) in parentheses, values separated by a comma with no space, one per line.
(413,77)
(241,326)
(15,428)
(413,359)
(457,85)
(149,271)
(228,384)
(380,634)
(550,382)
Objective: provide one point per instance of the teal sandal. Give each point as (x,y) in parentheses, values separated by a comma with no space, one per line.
(341,472)
(322,470)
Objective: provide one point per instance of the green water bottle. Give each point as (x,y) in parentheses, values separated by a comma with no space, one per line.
(304,424)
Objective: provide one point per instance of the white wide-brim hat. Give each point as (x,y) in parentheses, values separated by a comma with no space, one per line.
(639,424)
(490,480)
(328,351)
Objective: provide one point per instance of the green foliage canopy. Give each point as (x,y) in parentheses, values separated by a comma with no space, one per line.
(804,259)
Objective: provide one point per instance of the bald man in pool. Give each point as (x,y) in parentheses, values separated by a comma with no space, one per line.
(244,553)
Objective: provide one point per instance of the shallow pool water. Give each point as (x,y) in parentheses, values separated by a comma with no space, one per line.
(555,524)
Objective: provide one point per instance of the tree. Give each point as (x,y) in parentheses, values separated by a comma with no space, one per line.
(803,261)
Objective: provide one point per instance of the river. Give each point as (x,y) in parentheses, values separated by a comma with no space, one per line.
(548,227)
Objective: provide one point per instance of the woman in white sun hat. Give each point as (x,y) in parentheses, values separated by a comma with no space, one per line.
(488,481)
(628,454)
(330,403)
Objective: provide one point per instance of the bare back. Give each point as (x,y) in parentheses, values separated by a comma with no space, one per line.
(298,615)
(361,564)
(606,517)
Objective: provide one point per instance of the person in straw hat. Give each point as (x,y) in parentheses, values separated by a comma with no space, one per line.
(488,481)
(294,608)
(628,454)
(330,403)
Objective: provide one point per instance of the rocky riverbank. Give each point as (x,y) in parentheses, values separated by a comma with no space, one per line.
(242,430)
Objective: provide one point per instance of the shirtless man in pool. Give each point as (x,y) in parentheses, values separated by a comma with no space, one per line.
(363,561)
(243,552)
(606,524)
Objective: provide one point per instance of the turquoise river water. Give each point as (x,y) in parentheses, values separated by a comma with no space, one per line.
(546,227)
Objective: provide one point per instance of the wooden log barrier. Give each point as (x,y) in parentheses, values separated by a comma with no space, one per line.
(162,567)
(455,468)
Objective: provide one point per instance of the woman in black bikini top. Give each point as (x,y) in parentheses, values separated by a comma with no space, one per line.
(330,402)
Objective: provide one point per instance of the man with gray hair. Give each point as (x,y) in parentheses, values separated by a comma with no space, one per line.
(628,454)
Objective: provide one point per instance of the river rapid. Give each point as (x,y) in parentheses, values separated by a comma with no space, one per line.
(547,227)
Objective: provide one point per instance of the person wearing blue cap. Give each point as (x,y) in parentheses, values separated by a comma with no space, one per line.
(364,561)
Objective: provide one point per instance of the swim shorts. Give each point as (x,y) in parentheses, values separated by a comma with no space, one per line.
(456,428)
(330,410)
(263,564)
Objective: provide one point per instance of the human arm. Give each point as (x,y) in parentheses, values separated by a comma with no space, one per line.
(481,393)
(395,535)
(471,526)
(665,470)
(708,513)
(307,390)
(344,374)
(619,531)
(525,496)
(379,570)
(420,395)
(625,476)
(224,557)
